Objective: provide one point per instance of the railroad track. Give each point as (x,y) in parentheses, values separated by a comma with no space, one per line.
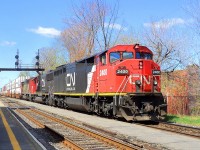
(14,105)
(175,128)
(74,136)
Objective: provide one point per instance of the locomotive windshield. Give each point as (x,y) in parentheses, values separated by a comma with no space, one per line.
(114,56)
(127,55)
(142,55)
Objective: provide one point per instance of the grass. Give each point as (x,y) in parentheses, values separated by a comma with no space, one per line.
(186,120)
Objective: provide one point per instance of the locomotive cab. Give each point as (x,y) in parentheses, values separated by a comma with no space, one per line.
(127,69)
(129,74)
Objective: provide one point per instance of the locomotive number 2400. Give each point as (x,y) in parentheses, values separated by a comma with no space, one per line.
(103,72)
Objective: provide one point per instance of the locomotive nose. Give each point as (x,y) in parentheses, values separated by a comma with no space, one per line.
(146,78)
(150,76)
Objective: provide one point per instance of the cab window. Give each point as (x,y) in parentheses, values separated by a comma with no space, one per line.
(127,55)
(114,56)
(141,55)
(103,59)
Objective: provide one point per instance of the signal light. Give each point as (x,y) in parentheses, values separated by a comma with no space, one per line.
(37,63)
(17,56)
(37,60)
(17,59)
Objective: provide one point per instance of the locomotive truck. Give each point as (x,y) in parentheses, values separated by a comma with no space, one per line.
(122,82)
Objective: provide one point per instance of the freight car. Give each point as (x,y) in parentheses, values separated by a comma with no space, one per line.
(13,88)
(122,82)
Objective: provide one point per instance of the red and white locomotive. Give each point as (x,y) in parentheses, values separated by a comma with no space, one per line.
(123,82)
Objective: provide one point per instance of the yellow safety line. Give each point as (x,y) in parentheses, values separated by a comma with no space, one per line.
(89,94)
(11,135)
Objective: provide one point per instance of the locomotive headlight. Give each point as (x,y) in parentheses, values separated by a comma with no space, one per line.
(138,82)
(155,83)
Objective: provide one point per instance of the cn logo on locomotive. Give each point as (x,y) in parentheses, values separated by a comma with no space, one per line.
(142,78)
(70,79)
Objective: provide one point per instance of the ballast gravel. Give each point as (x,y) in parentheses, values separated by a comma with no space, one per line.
(131,131)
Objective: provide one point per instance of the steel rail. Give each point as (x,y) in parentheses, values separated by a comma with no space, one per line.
(31,118)
(99,137)
(174,128)
(181,129)
(107,140)
(70,144)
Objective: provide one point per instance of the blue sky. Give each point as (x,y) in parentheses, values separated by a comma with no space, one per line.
(31,25)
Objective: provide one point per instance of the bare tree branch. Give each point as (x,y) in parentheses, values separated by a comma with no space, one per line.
(165,44)
(92,27)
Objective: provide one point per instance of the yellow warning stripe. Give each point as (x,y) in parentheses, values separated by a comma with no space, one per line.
(11,135)
(89,94)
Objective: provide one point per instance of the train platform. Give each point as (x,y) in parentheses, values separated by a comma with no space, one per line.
(13,135)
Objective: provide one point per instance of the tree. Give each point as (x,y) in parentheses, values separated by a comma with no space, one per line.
(128,38)
(193,9)
(166,44)
(175,88)
(109,30)
(50,58)
(92,27)
(194,88)
(76,43)
(24,74)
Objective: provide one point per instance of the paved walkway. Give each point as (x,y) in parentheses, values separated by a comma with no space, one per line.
(13,135)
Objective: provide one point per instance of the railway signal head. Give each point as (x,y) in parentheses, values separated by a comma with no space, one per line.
(17,59)
(17,56)
(37,60)
(37,57)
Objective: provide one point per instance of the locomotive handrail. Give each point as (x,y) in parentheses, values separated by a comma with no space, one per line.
(125,84)
(121,85)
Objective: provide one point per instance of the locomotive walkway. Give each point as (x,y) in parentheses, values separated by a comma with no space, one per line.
(13,135)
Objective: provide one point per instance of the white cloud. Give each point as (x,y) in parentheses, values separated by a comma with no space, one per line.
(50,32)
(115,26)
(166,23)
(7,43)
